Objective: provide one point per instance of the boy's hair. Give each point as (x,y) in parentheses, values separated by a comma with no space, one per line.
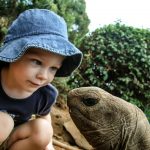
(3,64)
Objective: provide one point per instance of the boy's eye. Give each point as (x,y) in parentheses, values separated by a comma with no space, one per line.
(53,69)
(36,62)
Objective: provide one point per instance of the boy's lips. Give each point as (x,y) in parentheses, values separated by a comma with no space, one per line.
(35,84)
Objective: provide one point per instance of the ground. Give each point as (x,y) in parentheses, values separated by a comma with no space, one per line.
(61,122)
(60,115)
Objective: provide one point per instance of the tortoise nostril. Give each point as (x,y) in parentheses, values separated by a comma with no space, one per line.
(89,101)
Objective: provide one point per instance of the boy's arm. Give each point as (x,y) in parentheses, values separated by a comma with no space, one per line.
(48,118)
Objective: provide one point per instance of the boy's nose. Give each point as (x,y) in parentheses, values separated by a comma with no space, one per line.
(43,74)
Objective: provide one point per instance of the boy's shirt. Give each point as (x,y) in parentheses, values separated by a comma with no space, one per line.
(39,103)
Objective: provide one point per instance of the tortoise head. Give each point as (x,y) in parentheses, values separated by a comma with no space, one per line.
(99,115)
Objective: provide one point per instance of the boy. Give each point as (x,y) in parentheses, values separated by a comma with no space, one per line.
(35,50)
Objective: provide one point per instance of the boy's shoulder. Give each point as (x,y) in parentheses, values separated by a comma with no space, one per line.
(49,89)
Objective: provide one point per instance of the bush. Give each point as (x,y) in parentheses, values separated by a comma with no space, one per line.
(117,59)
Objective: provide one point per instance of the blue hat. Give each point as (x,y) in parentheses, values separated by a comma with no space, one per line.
(40,28)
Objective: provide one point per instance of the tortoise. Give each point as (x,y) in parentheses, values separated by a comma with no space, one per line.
(108,122)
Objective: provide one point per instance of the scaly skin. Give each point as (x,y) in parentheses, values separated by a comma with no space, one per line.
(108,122)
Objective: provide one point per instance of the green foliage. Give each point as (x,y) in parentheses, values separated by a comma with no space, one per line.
(11,8)
(147,111)
(117,59)
(61,84)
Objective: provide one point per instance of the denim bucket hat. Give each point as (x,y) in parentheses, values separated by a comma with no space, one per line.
(40,28)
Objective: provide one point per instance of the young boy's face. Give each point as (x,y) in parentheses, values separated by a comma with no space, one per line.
(36,68)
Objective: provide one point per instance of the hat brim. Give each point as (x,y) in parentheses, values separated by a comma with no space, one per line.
(13,50)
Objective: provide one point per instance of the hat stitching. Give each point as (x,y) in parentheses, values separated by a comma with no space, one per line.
(44,47)
(7,39)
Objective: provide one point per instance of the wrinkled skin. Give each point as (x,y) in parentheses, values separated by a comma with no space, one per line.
(108,122)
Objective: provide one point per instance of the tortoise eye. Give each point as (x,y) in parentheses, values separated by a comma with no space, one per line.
(89,101)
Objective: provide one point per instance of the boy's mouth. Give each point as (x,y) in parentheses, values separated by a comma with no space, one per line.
(34,84)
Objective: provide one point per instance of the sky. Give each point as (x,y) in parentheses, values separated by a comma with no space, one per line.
(134,13)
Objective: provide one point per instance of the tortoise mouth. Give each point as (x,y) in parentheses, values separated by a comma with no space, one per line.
(95,135)
(82,120)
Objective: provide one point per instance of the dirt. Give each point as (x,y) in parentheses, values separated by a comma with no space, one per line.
(60,115)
